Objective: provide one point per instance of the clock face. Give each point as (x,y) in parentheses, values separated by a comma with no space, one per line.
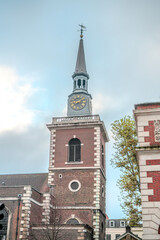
(78,102)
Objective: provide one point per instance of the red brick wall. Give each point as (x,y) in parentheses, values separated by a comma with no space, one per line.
(86,216)
(85,135)
(155,186)
(11,191)
(153,162)
(141,107)
(12,205)
(151,129)
(102,223)
(156,180)
(37,196)
(36,214)
(83,197)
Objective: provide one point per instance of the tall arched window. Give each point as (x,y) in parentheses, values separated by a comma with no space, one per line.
(74,150)
(84,83)
(3,220)
(79,83)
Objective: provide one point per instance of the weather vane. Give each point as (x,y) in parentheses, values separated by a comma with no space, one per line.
(83,28)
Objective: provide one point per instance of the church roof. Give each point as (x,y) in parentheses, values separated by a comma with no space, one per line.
(37,180)
(127,234)
(124,236)
(81,63)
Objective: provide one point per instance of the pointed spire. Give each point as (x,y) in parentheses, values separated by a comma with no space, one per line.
(81,63)
(80,68)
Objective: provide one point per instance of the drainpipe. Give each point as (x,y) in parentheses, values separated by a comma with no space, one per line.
(19,201)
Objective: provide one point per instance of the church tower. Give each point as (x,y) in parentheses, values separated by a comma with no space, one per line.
(79,102)
(77,158)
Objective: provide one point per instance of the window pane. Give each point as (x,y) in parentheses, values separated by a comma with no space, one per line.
(79,83)
(72,221)
(77,153)
(74,150)
(111,223)
(74,185)
(71,153)
(83,83)
(108,236)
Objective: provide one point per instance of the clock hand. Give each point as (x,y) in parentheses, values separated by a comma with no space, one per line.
(79,101)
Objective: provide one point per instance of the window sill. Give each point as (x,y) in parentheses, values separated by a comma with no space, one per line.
(73,163)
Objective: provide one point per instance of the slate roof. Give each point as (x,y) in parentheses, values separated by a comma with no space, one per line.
(36,180)
(116,223)
(129,233)
(81,63)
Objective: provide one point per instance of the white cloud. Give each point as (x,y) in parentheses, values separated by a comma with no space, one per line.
(103,103)
(15,90)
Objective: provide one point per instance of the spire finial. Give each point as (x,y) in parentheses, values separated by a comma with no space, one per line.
(83,28)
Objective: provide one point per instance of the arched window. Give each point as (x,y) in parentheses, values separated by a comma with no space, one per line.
(74,150)
(79,83)
(72,221)
(84,83)
(74,84)
(3,219)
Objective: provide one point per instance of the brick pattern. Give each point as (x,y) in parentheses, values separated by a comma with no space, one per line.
(46,208)
(155,185)
(146,128)
(149,163)
(25,213)
(96,201)
(83,216)
(151,138)
(88,172)
(96,225)
(149,106)
(97,182)
(97,149)
(65,197)
(149,195)
(153,162)
(80,235)
(52,156)
(63,136)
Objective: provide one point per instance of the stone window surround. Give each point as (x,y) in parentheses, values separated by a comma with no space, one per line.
(74,190)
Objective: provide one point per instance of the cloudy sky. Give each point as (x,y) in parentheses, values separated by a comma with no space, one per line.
(38,48)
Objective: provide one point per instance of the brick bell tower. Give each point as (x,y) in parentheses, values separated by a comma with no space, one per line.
(77,157)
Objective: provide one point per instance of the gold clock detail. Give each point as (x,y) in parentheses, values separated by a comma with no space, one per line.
(78,102)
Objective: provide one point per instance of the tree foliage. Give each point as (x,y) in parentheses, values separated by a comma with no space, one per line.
(124,158)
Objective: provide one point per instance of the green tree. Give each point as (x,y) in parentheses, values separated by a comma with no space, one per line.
(124,158)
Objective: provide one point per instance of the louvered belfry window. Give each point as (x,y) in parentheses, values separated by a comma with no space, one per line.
(74,150)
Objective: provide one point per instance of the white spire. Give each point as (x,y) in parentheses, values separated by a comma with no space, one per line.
(81,63)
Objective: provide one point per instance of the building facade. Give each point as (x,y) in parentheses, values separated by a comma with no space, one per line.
(117,227)
(147,117)
(75,186)
(77,156)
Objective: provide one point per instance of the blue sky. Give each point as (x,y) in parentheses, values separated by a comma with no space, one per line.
(38,48)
